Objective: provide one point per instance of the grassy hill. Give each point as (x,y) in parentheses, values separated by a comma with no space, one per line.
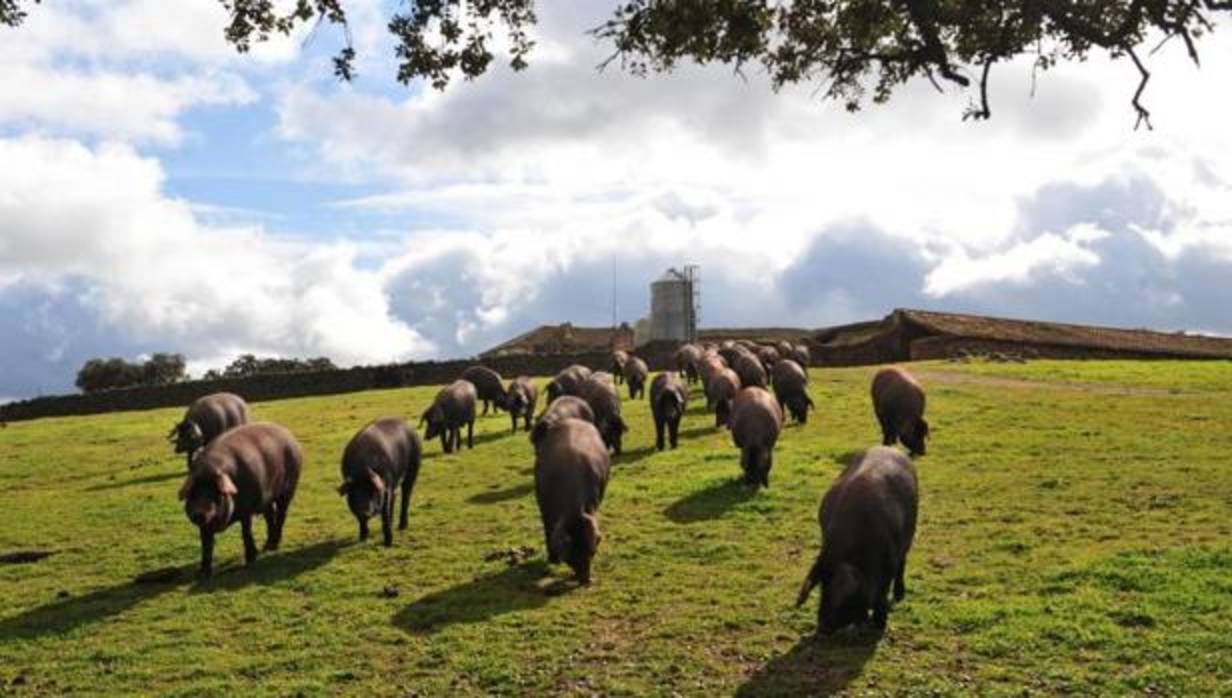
(1074,538)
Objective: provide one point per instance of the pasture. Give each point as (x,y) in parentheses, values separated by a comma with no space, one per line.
(1075,538)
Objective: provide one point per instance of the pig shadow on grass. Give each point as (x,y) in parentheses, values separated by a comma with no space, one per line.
(488,436)
(816,666)
(694,432)
(65,615)
(497,496)
(710,503)
(633,455)
(148,479)
(269,568)
(512,589)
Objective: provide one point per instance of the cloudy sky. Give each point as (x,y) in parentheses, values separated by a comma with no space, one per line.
(160,193)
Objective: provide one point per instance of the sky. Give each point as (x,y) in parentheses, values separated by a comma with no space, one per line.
(159,192)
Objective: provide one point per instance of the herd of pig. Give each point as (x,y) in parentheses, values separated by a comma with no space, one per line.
(238,469)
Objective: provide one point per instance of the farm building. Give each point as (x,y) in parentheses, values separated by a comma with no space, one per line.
(903,335)
(916,335)
(565,338)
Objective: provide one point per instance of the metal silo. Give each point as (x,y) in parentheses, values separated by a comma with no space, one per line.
(673,313)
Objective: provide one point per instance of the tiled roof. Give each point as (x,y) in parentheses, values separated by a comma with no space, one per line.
(1056,333)
(564,338)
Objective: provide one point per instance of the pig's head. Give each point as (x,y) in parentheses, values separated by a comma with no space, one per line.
(612,429)
(671,405)
(209,498)
(757,461)
(576,545)
(502,400)
(515,402)
(435,419)
(553,390)
(843,601)
(913,434)
(364,494)
(799,408)
(187,436)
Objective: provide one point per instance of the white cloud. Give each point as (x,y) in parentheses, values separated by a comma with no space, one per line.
(120,30)
(96,217)
(1050,253)
(785,162)
(132,107)
(125,70)
(701,165)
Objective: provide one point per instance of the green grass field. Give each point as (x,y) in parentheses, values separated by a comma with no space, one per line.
(1074,539)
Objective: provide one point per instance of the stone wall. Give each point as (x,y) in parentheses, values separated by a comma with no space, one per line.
(275,387)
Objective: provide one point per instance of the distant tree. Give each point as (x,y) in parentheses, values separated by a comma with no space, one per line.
(852,46)
(244,365)
(164,369)
(250,365)
(108,374)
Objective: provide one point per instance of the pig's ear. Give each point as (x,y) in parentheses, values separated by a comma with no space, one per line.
(922,427)
(225,486)
(185,488)
(590,532)
(377,483)
(344,487)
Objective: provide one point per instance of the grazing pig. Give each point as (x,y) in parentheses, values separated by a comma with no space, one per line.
(750,370)
(755,423)
(489,386)
(564,407)
(617,367)
(686,359)
(454,406)
(249,470)
(381,457)
(791,389)
(768,356)
(801,355)
(898,401)
(867,525)
(635,375)
(521,399)
(720,392)
(567,382)
(600,393)
(571,472)
(708,366)
(669,397)
(731,352)
(205,419)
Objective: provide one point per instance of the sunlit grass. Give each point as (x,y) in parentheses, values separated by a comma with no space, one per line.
(1074,538)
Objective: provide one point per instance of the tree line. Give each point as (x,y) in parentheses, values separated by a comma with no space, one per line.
(114,373)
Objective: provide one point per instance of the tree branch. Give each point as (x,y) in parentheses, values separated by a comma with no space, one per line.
(983,112)
(1144,116)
